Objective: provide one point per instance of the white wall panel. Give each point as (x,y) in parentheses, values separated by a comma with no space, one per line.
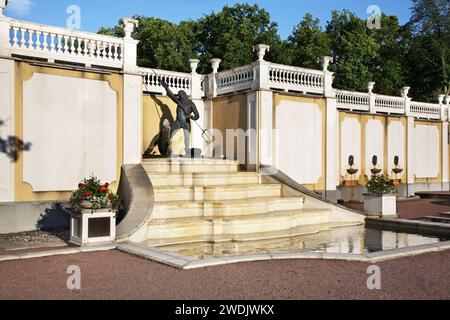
(396,146)
(7,129)
(426,151)
(350,144)
(72,125)
(374,144)
(299,145)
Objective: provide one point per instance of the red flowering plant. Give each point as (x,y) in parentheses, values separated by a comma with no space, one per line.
(379,185)
(91,194)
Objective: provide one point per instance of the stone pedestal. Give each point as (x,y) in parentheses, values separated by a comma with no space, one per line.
(93,227)
(386,204)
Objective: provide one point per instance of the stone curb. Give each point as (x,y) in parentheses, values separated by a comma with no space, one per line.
(55,252)
(154,254)
(189,263)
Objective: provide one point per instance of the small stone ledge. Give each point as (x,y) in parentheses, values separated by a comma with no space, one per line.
(56,252)
(154,254)
(189,263)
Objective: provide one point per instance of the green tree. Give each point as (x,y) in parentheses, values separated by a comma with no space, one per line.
(354,51)
(429,55)
(388,68)
(231,34)
(162,45)
(309,43)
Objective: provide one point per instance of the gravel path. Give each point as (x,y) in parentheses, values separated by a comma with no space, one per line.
(116,275)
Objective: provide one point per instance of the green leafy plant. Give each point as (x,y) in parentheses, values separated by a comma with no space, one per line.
(93,195)
(379,184)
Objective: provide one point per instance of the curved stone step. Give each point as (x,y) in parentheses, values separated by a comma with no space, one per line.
(217,193)
(217,238)
(183,209)
(204,179)
(189,165)
(277,221)
(310,237)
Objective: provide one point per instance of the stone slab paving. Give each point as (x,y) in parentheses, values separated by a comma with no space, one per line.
(118,275)
(413,209)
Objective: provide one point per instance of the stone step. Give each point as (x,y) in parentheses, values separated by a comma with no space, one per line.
(445,214)
(183,209)
(217,193)
(237,238)
(204,179)
(189,165)
(438,219)
(195,227)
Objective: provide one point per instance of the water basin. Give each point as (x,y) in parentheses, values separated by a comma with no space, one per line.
(353,240)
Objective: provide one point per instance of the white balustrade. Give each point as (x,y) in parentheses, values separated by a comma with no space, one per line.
(390,104)
(59,44)
(235,80)
(353,101)
(176,80)
(425,110)
(53,43)
(296,79)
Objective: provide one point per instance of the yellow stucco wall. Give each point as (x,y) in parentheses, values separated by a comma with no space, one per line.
(385,120)
(156,109)
(23,72)
(230,112)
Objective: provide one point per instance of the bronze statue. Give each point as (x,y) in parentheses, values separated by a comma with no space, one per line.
(186,111)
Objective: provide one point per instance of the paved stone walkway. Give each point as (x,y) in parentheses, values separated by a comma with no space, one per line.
(412,209)
(116,275)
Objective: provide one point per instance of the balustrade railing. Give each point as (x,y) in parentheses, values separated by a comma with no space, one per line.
(176,80)
(353,101)
(60,44)
(235,80)
(56,44)
(425,110)
(390,104)
(358,101)
(290,78)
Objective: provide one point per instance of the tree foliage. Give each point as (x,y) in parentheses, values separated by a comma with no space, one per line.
(308,43)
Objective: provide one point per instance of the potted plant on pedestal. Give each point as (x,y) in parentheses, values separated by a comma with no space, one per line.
(381,198)
(93,195)
(93,213)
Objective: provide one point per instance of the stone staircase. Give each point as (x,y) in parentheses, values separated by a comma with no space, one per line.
(210,200)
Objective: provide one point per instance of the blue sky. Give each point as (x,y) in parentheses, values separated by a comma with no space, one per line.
(97,13)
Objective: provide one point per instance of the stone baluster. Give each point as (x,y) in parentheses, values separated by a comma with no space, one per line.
(372,97)
(129,54)
(261,68)
(212,84)
(443,103)
(328,90)
(196,81)
(405,92)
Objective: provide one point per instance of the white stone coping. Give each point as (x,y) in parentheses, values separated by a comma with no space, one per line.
(56,252)
(188,263)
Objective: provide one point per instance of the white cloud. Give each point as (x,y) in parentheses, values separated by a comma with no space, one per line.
(19,7)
